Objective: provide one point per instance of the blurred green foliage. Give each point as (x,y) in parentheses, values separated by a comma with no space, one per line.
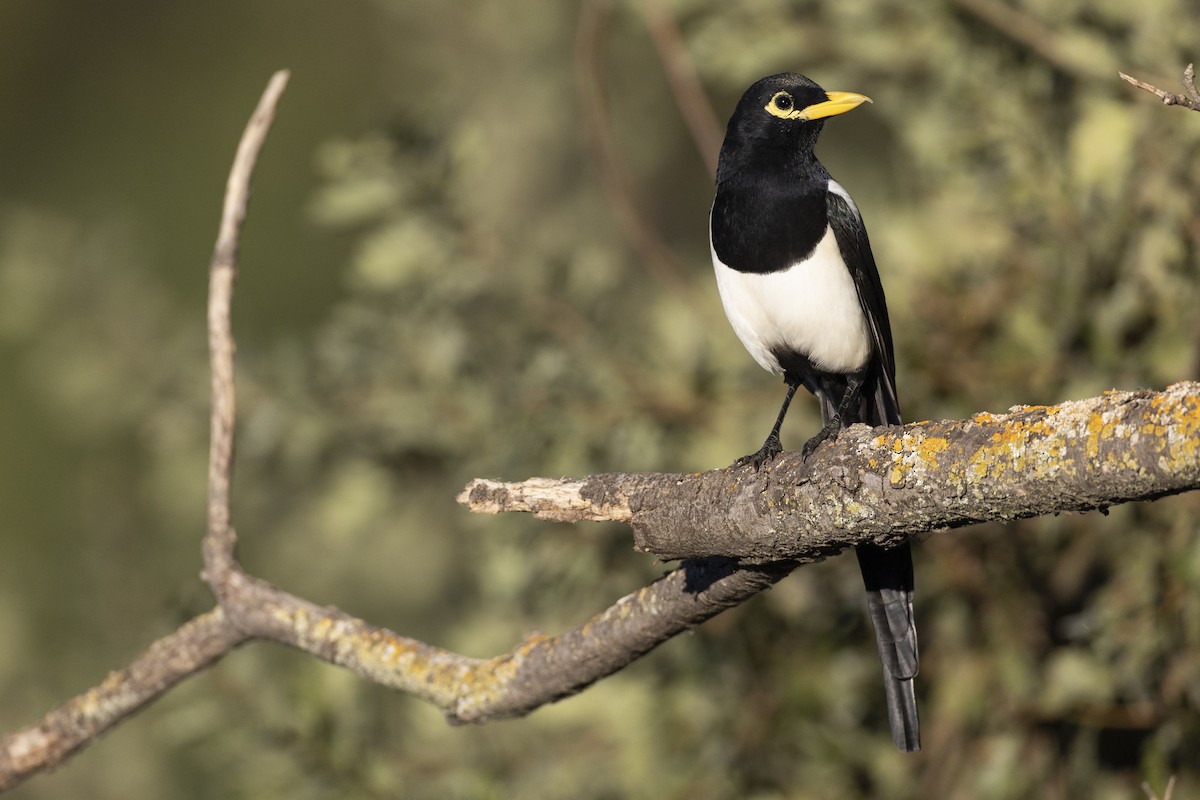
(435,286)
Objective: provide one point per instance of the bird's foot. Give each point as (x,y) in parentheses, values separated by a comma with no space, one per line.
(830,429)
(771,448)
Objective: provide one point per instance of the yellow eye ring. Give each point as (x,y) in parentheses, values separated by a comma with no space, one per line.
(783,105)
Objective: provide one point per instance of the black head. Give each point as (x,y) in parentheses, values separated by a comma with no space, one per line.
(783,112)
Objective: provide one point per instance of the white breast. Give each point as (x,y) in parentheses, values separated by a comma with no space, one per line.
(812,307)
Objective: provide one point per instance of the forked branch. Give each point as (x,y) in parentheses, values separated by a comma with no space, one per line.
(740,531)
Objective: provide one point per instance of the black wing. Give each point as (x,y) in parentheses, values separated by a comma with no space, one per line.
(851,235)
(887,573)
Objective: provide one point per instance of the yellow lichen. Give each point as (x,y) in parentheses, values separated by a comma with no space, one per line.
(929,447)
(1095,429)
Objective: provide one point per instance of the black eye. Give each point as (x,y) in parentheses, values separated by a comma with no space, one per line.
(783,102)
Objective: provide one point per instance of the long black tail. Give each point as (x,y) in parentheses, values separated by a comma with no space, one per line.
(888,576)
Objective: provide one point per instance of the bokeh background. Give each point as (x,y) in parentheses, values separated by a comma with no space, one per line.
(477,247)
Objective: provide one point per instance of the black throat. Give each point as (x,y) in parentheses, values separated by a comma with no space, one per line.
(770,209)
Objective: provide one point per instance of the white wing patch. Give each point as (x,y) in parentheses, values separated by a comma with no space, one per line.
(838,189)
(812,307)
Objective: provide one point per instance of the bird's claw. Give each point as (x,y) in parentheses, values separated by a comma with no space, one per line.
(771,448)
(822,436)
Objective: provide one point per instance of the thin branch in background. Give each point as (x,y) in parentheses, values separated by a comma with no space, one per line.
(1151,795)
(1035,35)
(685,81)
(538,671)
(630,211)
(1190,100)
(1035,460)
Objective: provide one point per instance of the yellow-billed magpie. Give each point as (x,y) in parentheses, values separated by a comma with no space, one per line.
(800,287)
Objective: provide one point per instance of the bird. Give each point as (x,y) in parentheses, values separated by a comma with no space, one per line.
(798,282)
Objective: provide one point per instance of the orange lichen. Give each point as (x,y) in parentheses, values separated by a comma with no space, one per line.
(929,447)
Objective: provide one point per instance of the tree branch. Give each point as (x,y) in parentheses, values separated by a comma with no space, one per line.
(220,542)
(1191,100)
(886,484)
(741,531)
(76,723)
(537,671)
(202,641)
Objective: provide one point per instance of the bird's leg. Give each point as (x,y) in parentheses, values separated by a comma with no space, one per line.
(834,424)
(772,446)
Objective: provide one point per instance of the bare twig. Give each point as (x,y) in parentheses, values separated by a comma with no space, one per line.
(1190,100)
(205,639)
(877,485)
(886,484)
(220,543)
(76,723)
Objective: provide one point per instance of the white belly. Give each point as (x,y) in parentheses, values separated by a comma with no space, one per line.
(812,308)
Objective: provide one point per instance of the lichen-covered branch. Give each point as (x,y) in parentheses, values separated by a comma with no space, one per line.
(79,721)
(204,640)
(537,671)
(739,531)
(885,484)
(873,484)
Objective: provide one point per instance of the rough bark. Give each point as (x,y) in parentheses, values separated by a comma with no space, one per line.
(885,484)
(741,532)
